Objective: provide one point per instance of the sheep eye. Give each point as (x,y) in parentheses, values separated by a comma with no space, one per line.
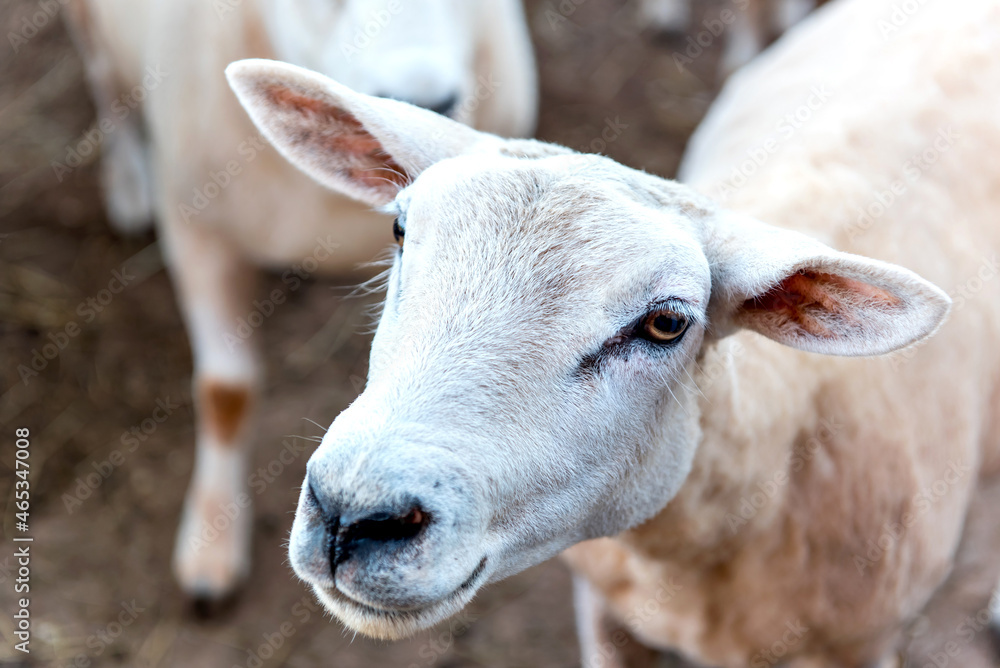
(398,232)
(663,326)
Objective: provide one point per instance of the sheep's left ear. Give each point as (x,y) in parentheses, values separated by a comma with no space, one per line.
(804,294)
(364,147)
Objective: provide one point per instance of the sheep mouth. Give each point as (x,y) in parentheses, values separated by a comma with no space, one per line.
(397,623)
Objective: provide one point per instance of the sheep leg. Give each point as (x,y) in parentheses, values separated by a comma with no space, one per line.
(666,15)
(995,617)
(786,13)
(212,552)
(746,37)
(604,643)
(125,174)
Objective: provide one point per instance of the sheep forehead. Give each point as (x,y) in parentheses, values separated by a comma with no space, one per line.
(570,220)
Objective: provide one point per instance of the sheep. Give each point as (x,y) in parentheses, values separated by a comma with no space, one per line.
(225,203)
(753,442)
(751,23)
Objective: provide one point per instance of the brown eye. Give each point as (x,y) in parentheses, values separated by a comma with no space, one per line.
(664,326)
(397,232)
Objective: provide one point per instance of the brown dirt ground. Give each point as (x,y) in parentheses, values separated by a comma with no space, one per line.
(113,550)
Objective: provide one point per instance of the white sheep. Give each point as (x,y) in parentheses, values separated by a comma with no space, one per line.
(750,23)
(225,203)
(571,350)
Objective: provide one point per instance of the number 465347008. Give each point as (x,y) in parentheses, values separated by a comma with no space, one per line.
(23,486)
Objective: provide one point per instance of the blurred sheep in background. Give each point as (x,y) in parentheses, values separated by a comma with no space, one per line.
(225,203)
(751,24)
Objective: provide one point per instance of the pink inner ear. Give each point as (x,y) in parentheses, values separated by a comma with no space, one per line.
(342,136)
(812,301)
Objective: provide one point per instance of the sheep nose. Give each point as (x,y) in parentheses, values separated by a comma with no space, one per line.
(444,106)
(369,533)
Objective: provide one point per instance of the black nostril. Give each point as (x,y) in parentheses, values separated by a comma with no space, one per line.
(445,107)
(347,537)
(383,526)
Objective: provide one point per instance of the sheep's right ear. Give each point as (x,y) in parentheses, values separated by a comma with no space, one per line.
(365,147)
